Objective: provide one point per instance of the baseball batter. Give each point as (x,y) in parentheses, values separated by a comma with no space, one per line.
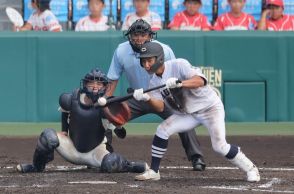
(82,140)
(42,19)
(125,60)
(194,103)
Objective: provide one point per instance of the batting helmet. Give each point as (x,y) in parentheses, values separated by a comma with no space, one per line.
(98,76)
(139,27)
(152,49)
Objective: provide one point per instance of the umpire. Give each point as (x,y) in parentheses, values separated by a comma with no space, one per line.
(125,60)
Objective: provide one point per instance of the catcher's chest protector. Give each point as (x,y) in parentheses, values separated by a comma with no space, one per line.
(85,125)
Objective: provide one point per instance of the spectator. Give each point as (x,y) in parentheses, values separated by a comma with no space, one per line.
(236,19)
(274,19)
(190,18)
(42,19)
(96,21)
(142,12)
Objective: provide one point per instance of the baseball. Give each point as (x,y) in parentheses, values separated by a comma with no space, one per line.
(102,101)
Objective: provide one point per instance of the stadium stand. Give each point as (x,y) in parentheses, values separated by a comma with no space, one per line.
(289,7)
(5,24)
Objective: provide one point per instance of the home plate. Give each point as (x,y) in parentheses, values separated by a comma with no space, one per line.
(93,182)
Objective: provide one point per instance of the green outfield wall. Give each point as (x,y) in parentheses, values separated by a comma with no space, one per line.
(253,71)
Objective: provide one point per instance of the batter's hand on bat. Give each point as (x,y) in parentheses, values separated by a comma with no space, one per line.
(139,95)
(173,83)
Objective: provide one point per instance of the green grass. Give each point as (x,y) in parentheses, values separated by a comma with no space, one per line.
(273,128)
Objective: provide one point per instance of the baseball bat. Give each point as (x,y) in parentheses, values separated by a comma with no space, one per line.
(130,95)
(124,98)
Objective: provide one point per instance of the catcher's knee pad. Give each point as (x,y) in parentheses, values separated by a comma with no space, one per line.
(48,140)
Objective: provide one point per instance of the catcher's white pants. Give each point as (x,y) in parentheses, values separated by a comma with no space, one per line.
(92,158)
(212,118)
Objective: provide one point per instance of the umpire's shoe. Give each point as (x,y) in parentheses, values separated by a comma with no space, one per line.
(198,163)
(26,168)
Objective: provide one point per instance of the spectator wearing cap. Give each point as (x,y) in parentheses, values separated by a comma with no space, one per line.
(235,19)
(190,18)
(274,19)
(142,12)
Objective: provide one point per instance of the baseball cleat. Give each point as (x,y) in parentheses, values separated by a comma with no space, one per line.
(26,168)
(198,163)
(253,175)
(148,175)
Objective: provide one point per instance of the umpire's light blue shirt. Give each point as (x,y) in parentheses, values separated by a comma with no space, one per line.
(127,61)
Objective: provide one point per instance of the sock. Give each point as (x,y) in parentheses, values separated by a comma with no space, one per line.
(159,147)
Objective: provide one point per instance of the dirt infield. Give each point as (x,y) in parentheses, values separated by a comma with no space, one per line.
(273,155)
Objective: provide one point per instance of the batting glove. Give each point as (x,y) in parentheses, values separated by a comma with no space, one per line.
(140,96)
(173,83)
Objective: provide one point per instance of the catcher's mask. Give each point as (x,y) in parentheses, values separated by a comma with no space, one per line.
(95,75)
(139,27)
(152,49)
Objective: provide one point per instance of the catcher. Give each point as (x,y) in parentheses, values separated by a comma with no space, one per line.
(82,140)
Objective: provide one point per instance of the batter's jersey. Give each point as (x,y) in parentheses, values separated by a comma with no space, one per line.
(125,60)
(88,24)
(184,21)
(286,23)
(229,22)
(151,18)
(46,21)
(193,100)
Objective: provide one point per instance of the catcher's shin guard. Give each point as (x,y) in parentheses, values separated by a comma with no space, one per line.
(44,151)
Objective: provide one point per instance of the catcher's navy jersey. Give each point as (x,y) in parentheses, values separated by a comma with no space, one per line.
(85,122)
(193,100)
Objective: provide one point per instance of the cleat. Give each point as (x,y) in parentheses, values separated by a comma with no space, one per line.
(198,163)
(26,168)
(120,132)
(253,175)
(148,175)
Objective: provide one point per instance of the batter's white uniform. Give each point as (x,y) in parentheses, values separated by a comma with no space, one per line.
(46,21)
(88,24)
(151,18)
(201,106)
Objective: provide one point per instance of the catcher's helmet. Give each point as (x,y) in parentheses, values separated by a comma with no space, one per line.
(152,49)
(98,76)
(139,27)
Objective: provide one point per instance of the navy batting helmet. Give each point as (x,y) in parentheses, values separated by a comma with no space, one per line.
(98,76)
(139,27)
(152,49)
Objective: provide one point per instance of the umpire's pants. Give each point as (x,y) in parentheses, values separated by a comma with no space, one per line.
(189,140)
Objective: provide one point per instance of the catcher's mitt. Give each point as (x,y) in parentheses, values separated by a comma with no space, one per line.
(118,113)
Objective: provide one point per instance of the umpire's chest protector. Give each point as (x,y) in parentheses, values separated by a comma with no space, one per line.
(85,125)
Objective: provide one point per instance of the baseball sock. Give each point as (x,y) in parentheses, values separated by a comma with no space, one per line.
(159,147)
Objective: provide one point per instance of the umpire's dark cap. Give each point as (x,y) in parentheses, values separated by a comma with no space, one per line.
(150,49)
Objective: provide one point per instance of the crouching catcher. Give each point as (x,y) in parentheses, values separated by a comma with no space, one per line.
(82,140)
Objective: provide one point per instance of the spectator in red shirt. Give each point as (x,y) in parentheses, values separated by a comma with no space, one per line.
(190,18)
(236,19)
(274,19)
